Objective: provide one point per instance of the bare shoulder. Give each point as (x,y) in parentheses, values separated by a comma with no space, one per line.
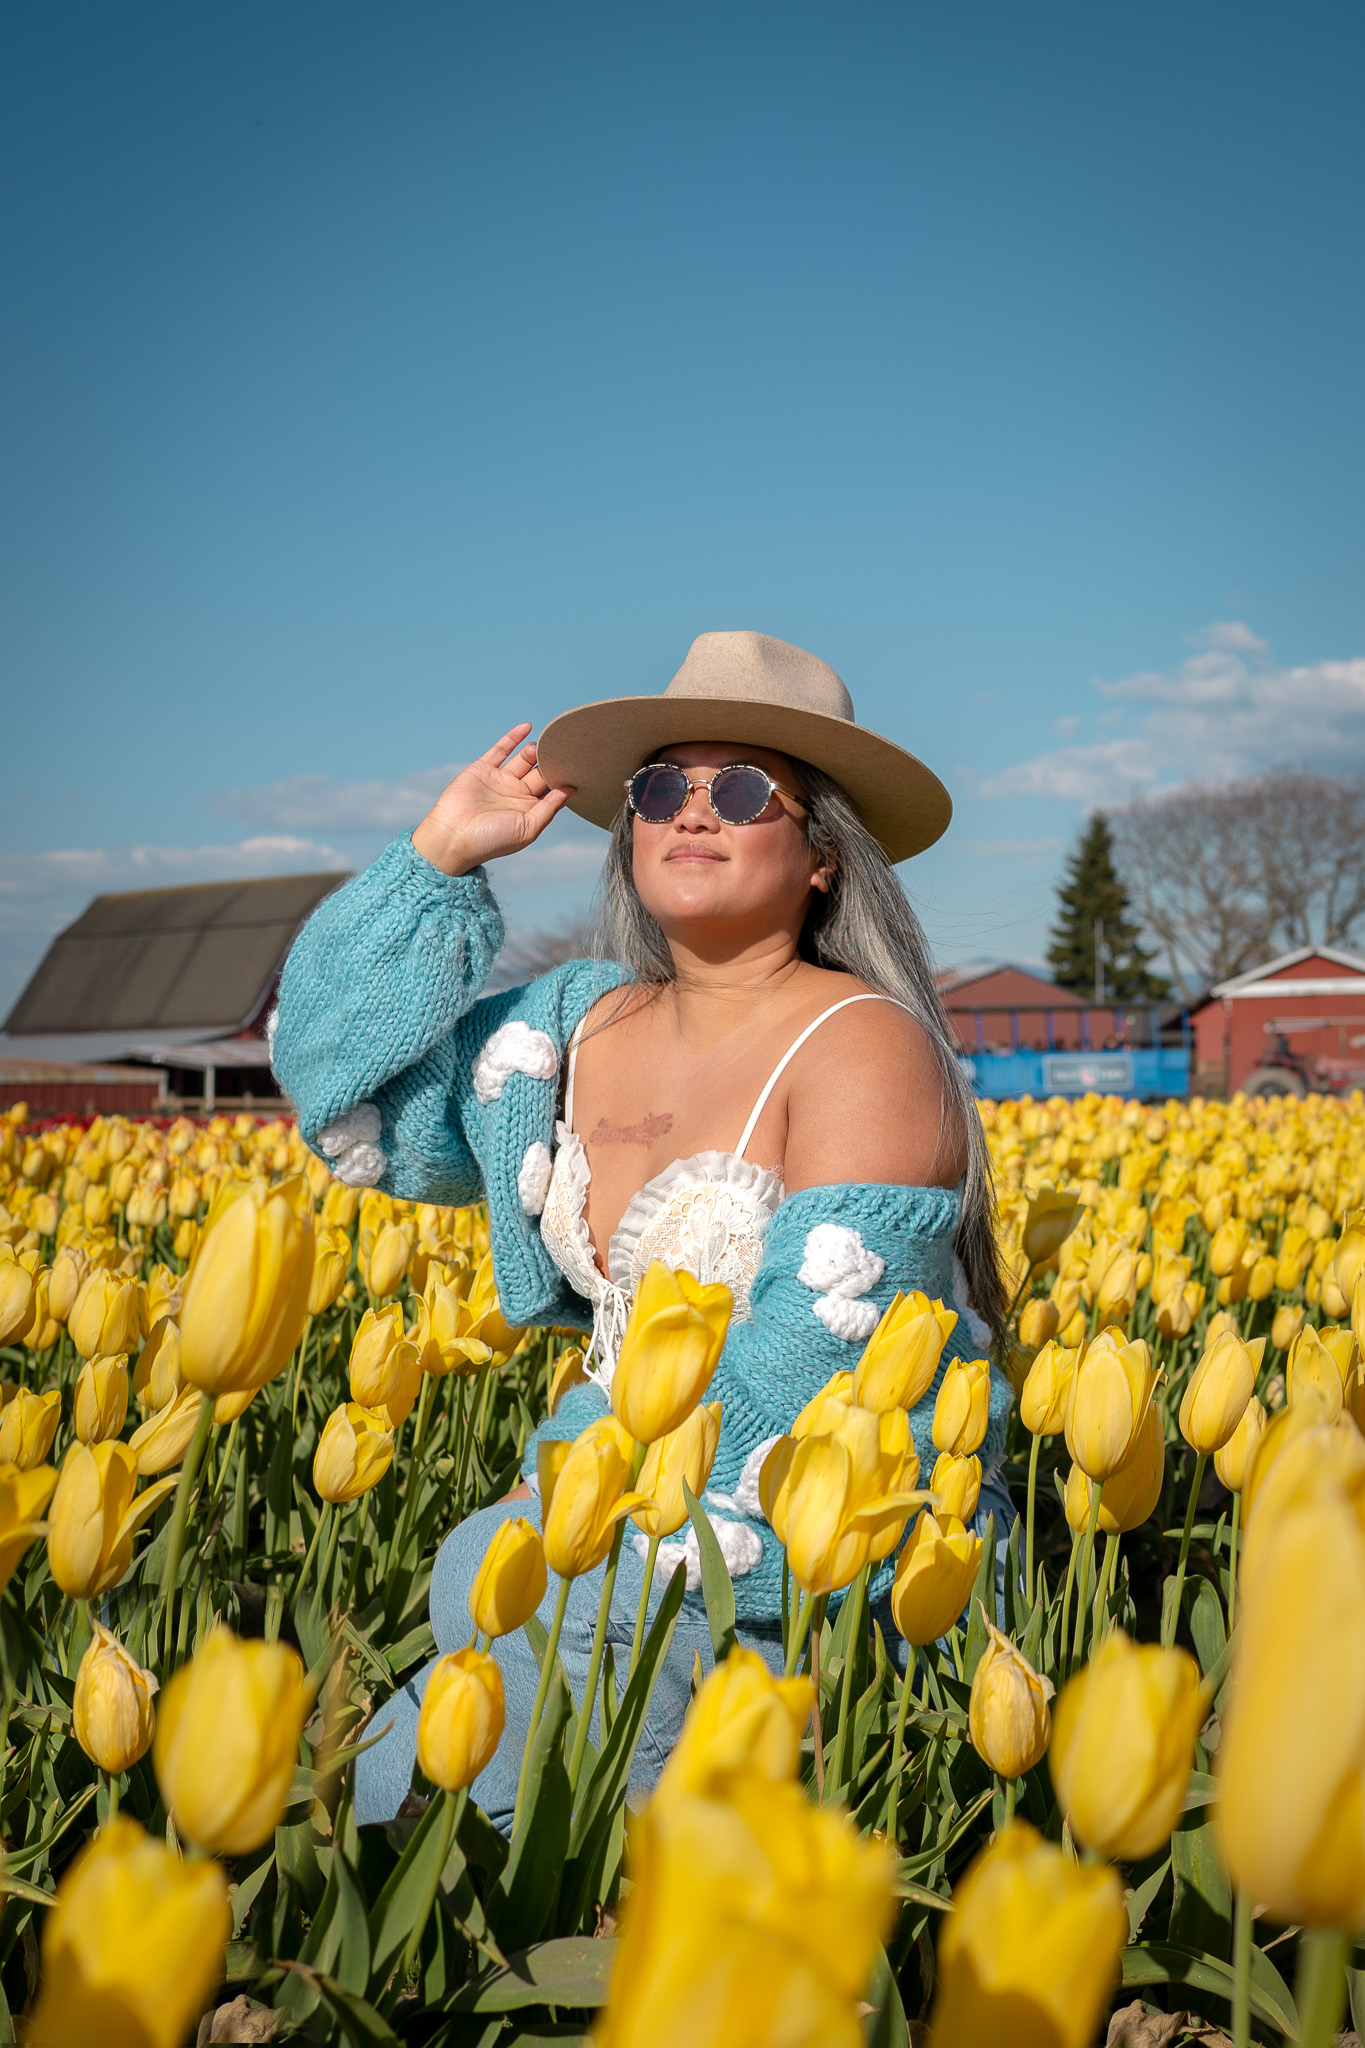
(867,1103)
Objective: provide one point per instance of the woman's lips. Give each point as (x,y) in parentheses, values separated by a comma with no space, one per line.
(692,853)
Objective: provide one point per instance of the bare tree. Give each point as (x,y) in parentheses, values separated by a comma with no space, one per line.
(1225,874)
(528,954)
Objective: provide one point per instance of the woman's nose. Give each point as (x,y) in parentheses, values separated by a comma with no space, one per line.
(696,814)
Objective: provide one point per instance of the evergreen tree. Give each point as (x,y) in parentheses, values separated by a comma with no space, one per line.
(1092,890)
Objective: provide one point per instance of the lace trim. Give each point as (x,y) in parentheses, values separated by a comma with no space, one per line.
(708,1213)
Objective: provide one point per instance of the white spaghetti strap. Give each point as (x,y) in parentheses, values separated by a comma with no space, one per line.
(869,996)
(568,1082)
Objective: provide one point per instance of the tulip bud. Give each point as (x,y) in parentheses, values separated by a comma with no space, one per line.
(1033,1934)
(1218,1391)
(186,1238)
(1233,1461)
(1114,1387)
(386,1369)
(389,1256)
(28,1424)
(587,1497)
(686,1453)
(1047,1392)
(17,1282)
(157,1377)
(743,1723)
(1052,1216)
(445,1330)
(552,1455)
(1007,1714)
(101,1405)
(136,1932)
(331,1263)
(1176,1311)
(935,1573)
(1118,1288)
(510,1583)
(94,1517)
(841,1498)
(1129,1496)
(902,1353)
(1123,1743)
(246,1293)
(962,1410)
(227,1741)
(672,1346)
(163,1439)
(104,1320)
(461,1721)
(23,1496)
(570,1371)
(354,1452)
(339,1206)
(183,1197)
(1261,1279)
(1039,1322)
(1313,1374)
(956,1485)
(1226,1246)
(112,1713)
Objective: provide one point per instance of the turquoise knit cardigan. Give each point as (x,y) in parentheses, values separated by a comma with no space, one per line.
(379,1006)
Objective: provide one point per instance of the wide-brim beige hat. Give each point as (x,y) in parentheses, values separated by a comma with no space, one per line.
(754,691)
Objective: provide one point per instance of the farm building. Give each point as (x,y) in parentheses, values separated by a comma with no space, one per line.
(1009,1009)
(1297,1023)
(157,997)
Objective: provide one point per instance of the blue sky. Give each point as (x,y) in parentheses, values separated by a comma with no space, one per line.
(375,376)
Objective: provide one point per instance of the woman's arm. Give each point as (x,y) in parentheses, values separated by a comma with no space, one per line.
(865,1103)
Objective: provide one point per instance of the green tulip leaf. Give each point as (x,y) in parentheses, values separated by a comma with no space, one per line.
(717,1587)
(1170,1963)
(520,1902)
(981,1607)
(575,1972)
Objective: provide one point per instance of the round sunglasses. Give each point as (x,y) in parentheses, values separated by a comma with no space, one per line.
(738,793)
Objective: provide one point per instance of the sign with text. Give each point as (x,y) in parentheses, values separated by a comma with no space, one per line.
(1074,1073)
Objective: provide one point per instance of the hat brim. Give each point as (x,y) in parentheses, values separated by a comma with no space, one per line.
(598,747)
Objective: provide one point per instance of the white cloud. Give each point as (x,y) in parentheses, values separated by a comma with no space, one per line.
(1226,711)
(319,803)
(1069,726)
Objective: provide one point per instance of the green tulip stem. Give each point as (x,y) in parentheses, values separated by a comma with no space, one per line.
(1011,1786)
(466,1440)
(363,1516)
(798,1634)
(843,1740)
(413,1487)
(324,1517)
(817,1729)
(453,1809)
(1066,1604)
(224,1467)
(111,1780)
(893,1797)
(1022,1289)
(1232,1560)
(1032,1492)
(642,1611)
(1102,1590)
(299,1357)
(599,1644)
(1083,1576)
(1170,1619)
(1241,1972)
(786,1604)
(542,1693)
(175,1540)
(1320,1985)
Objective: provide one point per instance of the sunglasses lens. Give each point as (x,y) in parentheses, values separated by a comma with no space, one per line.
(658,794)
(740,795)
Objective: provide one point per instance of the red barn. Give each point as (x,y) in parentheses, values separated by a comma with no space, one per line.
(1295,1024)
(1008,1009)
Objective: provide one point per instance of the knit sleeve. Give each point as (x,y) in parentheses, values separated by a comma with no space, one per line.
(373,987)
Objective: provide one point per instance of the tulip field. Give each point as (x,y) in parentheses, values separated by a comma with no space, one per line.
(1105,1775)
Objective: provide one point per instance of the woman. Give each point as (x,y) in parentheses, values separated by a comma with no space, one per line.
(754,1079)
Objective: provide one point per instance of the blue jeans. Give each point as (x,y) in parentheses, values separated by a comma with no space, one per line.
(383,1775)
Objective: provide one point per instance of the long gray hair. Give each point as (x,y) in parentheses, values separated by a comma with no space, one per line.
(865,926)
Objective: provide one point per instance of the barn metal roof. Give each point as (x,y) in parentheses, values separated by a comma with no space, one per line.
(198,960)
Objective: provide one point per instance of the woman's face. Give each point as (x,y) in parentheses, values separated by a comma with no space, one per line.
(704,879)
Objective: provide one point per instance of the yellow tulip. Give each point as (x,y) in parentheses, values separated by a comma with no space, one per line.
(672,1346)
(1030,1952)
(44,1329)
(902,1353)
(354,1452)
(1047,1392)
(163,1439)
(94,1517)
(1114,1387)
(686,1453)
(570,1371)
(186,1238)
(935,1574)
(510,1583)
(157,1377)
(105,1319)
(1007,1714)
(1293,1465)
(17,1282)
(1129,1496)
(389,1257)
(1177,1309)
(28,1424)
(444,1332)
(101,1404)
(743,1723)
(461,1721)
(1118,1289)
(1313,1373)
(1226,1246)
(1122,1745)
(386,1369)
(331,1264)
(23,1496)
(246,1293)
(112,1713)
(963,1408)
(183,1197)
(1219,1388)
(552,1455)
(133,1946)
(840,1500)
(227,1741)
(340,1205)
(588,1498)
(1052,1216)
(1348,1262)
(1261,1279)
(833,1397)
(44,1213)
(228,1407)
(956,1485)
(1039,1322)
(1233,1461)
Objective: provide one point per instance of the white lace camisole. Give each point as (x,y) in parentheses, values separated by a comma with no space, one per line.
(707,1214)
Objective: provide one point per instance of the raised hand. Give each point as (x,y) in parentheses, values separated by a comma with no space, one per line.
(496,805)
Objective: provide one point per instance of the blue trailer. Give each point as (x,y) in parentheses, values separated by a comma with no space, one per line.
(1149,1073)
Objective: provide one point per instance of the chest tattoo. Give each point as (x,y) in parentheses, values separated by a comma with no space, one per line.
(644,1133)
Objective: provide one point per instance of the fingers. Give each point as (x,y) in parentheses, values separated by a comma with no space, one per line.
(508,744)
(539,816)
